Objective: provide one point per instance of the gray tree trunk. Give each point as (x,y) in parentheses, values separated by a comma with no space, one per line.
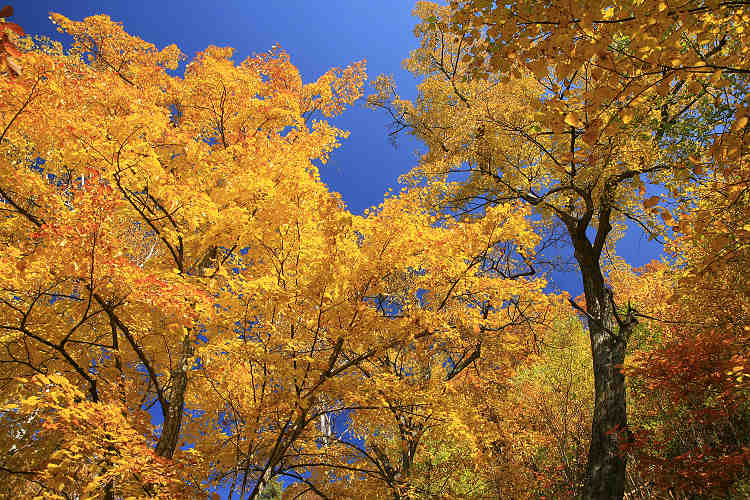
(605,472)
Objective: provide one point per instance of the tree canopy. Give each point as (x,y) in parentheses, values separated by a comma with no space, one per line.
(188,311)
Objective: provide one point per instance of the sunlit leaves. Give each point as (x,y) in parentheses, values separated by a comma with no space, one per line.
(573,120)
(172,252)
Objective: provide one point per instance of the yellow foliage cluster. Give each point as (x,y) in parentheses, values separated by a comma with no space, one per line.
(170,246)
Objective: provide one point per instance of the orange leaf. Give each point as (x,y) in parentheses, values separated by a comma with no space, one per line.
(650,202)
(11,49)
(14,66)
(590,136)
(6,11)
(13,27)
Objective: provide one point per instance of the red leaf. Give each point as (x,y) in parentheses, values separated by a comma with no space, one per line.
(6,11)
(13,27)
(11,49)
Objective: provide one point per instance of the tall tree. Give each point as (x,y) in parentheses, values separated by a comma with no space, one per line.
(574,109)
(171,251)
(122,205)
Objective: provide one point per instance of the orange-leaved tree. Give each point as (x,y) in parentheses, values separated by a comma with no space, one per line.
(689,369)
(126,190)
(173,255)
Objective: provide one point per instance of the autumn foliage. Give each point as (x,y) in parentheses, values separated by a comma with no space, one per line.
(173,256)
(188,311)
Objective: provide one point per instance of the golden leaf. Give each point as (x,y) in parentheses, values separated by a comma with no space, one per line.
(739,124)
(573,120)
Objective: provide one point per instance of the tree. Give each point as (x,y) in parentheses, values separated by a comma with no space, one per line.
(553,402)
(690,415)
(536,423)
(575,109)
(171,250)
(440,312)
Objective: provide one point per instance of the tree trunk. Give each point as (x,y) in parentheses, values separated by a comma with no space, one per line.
(173,416)
(605,471)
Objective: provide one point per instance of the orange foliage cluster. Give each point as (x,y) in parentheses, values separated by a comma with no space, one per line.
(170,246)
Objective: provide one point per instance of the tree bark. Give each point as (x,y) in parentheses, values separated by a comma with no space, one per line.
(173,415)
(605,471)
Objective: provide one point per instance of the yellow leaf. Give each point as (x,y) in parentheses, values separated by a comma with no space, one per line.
(627,116)
(573,120)
(740,124)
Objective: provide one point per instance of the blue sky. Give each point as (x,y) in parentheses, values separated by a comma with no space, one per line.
(318,35)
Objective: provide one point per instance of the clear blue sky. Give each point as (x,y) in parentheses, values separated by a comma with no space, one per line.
(318,35)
